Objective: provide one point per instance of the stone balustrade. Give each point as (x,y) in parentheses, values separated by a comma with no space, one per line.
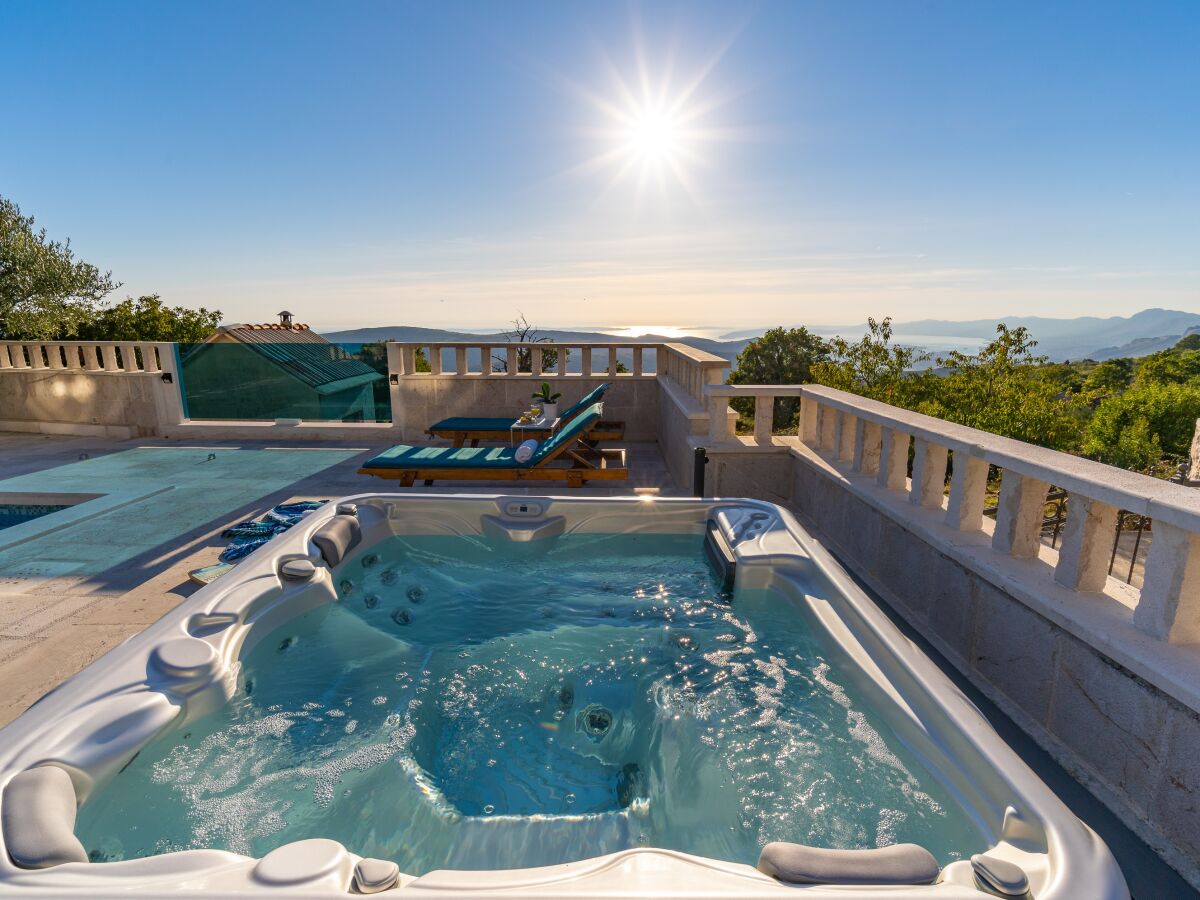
(525,359)
(1104,676)
(88,356)
(870,438)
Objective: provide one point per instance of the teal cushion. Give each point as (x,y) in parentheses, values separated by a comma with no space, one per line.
(568,434)
(464,423)
(403,456)
(593,396)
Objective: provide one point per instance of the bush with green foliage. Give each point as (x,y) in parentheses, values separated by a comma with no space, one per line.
(149,319)
(781,356)
(1135,429)
(1005,389)
(875,367)
(1174,366)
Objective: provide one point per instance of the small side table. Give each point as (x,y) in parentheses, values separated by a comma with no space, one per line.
(519,431)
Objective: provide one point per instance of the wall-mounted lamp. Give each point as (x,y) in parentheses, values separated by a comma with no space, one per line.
(395,379)
(168,378)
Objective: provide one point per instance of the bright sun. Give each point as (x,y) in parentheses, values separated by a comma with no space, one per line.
(654,136)
(655,129)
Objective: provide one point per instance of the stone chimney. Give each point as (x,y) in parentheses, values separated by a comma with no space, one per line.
(285,319)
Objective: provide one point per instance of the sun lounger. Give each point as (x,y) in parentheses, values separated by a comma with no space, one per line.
(566,456)
(462,429)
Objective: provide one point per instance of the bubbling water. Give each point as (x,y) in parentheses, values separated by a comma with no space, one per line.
(478,705)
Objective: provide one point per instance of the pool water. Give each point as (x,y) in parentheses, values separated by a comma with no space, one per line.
(19,513)
(469,704)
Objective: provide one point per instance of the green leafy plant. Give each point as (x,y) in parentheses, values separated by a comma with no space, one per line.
(545,394)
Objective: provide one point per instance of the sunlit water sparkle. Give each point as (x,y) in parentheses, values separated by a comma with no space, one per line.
(532,706)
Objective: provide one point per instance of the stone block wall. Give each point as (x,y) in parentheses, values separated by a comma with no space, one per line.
(1134,745)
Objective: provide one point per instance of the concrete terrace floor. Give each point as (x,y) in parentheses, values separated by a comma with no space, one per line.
(69,596)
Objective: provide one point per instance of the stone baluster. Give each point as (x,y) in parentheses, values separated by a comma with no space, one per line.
(150,361)
(827,425)
(585,361)
(54,356)
(638,362)
(460,360)
(1087,543)
(1169,607)
(129,361)
(893,459)
(929,474)
(36,360)
(563,352)
(1019,515)
(764,420)
(5,358)
(612,361)
(845,426)
(968,490)
(535,360)
(810,422)
(868,438)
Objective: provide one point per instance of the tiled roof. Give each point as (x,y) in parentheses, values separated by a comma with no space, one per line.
(303,353)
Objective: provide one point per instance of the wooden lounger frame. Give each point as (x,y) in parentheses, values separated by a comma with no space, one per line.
(609,466)
(601,431)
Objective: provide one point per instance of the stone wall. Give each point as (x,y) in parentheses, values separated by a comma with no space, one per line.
(680,419)
(112,404)
(1132,743)
(418,401)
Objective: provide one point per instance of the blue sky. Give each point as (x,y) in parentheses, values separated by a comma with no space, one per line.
(602,164)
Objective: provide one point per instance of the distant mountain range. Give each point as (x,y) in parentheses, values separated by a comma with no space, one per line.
(1086,337)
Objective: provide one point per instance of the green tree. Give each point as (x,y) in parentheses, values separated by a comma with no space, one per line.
(1109,377)
(44,291)
(1168,367)
(781,356)
(875,367)
(1189,342)
(149,319)
(1136,428)
(1002,389)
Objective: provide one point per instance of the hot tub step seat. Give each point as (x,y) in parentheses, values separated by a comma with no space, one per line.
(798,864)
(39,819)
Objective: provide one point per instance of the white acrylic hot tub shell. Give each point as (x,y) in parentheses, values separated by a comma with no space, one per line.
(184,665)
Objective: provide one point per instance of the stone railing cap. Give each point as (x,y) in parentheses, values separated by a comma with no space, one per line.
(1132,491)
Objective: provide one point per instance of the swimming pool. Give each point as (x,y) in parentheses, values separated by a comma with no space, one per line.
(553,696)
(19,513)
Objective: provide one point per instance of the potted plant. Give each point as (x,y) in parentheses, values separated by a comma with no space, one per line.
(549,402)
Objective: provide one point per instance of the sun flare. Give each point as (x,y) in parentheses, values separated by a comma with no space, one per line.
(654,136)
(656,128)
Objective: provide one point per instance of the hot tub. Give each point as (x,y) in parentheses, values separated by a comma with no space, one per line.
(477,696)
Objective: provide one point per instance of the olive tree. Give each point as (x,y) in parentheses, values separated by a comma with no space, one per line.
(45,292)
